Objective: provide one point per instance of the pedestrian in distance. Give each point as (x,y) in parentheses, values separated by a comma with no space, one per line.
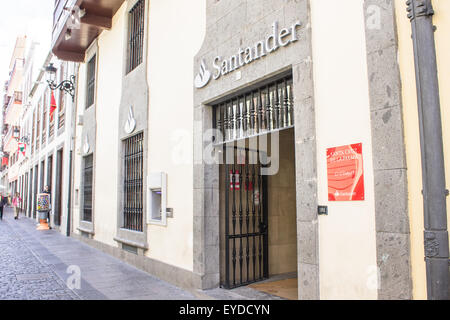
(16,201)
(3,202)
(47,191)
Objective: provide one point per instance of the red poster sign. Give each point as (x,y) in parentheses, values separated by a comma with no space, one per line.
(345,173)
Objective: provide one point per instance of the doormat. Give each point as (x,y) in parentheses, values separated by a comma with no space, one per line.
(287,288)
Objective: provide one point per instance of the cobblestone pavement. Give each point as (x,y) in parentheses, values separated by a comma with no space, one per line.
(23,276)
(38,265)
(35,265)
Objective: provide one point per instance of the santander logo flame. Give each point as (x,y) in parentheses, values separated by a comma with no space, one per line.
(203,77)
(130,125)
(86,146)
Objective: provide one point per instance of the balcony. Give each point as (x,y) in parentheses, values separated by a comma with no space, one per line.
(77,23)
(16,99)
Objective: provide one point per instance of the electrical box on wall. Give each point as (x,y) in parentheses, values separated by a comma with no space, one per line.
(157,198)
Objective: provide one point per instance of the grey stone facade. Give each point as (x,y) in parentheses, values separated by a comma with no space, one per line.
(389,158)
(243,23)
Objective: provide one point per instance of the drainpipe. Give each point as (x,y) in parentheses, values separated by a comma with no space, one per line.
(432,153)
(76,67)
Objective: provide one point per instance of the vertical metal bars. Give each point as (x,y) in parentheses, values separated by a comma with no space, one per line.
(133,183)
(136,35)
(36,191)
(38,126)
(59,186)
(90,96)
(88,170)
(260,111)
(246,219)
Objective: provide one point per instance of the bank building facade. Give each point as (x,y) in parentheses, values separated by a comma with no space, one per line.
(231,142)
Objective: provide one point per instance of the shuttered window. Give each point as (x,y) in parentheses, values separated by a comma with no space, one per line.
(90,90)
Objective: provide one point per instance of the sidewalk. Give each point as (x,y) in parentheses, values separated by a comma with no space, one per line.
(35,265)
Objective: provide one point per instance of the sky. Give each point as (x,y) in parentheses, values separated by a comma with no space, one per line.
(32,18)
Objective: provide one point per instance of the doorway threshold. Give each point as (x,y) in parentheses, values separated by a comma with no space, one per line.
(284,286)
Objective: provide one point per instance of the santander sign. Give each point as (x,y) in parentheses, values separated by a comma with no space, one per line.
(222,66)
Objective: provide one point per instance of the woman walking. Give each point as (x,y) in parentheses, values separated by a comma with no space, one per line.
(17,200)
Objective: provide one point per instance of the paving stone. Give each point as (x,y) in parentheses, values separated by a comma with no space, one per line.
(34,266)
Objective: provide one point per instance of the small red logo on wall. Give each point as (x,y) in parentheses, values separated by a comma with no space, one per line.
(345,173)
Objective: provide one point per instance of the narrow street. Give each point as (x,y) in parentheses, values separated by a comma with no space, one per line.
(38,265)
(34,265)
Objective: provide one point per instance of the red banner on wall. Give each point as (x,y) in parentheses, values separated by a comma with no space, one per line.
(345,173)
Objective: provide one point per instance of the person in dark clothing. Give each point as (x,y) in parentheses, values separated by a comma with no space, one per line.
(3,202)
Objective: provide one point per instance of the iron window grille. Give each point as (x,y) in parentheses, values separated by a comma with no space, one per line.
(136,35)
(44,117)
(88,170)
(90,92)
(35,191)
(59,184)
(38,126)
(133,183)
(254,112)
(33,132)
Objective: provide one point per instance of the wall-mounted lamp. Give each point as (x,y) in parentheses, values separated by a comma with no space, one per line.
(68,34)
(66,85)
(16,135)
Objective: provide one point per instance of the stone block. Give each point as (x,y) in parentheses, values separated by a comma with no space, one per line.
(212,259)
(380,24)
(387,139)
(308,282)
(384,78)
(212,231)
(391,203)
(393,259)
(307,235)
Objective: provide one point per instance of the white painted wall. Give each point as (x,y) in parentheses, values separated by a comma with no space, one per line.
(109,88)
(175,36)
(347,241)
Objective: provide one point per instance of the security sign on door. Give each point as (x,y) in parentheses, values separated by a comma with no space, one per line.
(345,173)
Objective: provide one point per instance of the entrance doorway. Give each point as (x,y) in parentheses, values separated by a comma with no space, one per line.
(258,222)
(244,220)
(258,232)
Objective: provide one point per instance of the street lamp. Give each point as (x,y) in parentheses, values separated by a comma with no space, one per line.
(67,86)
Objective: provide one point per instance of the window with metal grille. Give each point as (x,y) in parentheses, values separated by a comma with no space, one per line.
(51,126)
(59,183)
(88,169)
(33,132)
(256,111)
(90,90)
(133,183)
(136,35)
(38,126)
(44,121)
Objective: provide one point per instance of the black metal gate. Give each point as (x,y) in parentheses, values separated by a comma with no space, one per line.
(246,220)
